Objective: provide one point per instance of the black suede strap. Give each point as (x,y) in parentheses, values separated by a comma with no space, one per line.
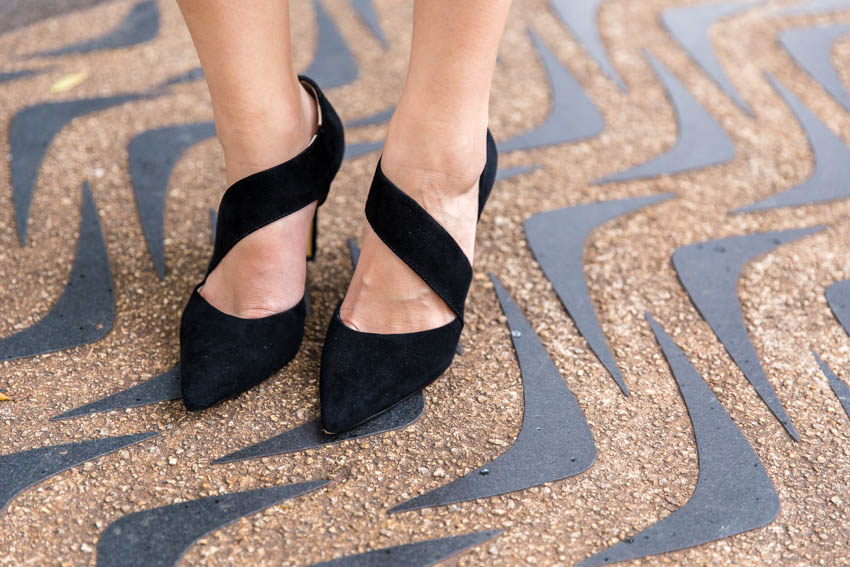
(266,196)
(420,241)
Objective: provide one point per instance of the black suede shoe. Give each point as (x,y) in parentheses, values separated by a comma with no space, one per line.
(222,356)
(365,374)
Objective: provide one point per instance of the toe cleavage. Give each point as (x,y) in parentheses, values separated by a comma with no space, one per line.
(365,374)
(221,355)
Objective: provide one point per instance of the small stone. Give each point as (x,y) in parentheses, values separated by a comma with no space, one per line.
(172,460)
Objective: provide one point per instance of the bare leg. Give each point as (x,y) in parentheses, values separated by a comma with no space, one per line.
(263,117)
(435,152)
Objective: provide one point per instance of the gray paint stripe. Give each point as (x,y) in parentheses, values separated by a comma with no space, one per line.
(829,178)
(572,117)
(378,118)
(554,442)
(709,271)
(734,494)
(334,64)
(85,310)
(814,7)
(16,14)
(418,554)
(153,155)
(366,11)
(557,240)
(159,537)
(701,141)
(811,48)
(580,17)
(139,26)
(841,390)
(838,297)
(310,435)
(19,471)
(31,132)
(358,149)
(689,25)
(194,74)
(8,76)
(164,387)
(510,172)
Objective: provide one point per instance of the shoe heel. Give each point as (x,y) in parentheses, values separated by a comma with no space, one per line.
(311,244)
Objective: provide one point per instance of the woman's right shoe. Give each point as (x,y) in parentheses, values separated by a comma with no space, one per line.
(221,355)
(365,374)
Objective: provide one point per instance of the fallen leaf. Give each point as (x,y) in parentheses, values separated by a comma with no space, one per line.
(68,82)
(4,398)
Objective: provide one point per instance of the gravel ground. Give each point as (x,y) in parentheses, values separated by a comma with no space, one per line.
(647,460)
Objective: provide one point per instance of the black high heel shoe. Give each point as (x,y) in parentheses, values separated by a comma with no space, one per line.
(365,374)
(222,356)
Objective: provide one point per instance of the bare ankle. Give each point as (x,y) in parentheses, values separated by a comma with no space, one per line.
(265,135)
(427,156)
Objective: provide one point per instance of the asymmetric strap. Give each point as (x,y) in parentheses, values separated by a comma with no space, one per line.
(266,196)
(420,241)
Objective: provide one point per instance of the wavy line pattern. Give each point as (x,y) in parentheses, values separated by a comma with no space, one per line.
(702,142)
(557,239)
(162,388)
(159,537)
(579,16)
(13,18)
(554,442)
(15,75)
(85,310)
(194,74)
(139,26)
(358,149)
(153,155)
(379,117)
(310,435)
(30,134)
(734,494)
(838,297)
(811,48)
(829,179)
(710,271)
(841,390)
(419,554)
(366,10)
(19,471)
(814,7)
(573,115)
(333,65)
(689,25)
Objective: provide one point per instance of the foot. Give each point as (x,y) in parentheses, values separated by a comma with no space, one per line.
(439,168)
(264,273)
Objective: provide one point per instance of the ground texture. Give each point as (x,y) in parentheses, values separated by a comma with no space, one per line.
(647,462)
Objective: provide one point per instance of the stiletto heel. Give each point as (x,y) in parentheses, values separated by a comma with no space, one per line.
(314,232)
(365,374)
(222,356)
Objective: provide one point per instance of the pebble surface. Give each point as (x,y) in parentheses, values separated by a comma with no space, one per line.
(647,461)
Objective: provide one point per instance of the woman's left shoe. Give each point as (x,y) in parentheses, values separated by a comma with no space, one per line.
(365,374)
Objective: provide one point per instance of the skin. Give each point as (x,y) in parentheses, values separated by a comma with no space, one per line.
(435,150)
